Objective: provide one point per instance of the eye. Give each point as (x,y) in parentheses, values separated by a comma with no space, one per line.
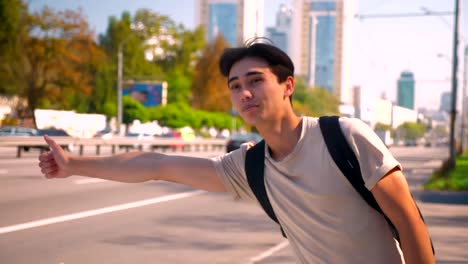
(256,80)
(234,87)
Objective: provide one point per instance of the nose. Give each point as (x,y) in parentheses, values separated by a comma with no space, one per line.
(246,94)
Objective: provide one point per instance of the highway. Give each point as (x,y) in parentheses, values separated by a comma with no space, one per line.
(82,220)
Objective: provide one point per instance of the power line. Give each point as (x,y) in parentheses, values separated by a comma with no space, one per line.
(403,15)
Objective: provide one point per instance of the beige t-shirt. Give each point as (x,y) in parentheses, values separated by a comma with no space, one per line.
(324,218)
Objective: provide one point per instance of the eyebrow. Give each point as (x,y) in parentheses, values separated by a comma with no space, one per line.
(250,73)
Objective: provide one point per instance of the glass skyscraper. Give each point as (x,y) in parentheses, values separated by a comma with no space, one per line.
(236,20)
(446,102)
(279,33)
(405,96)
(322,35)
(223,19)
(320,44)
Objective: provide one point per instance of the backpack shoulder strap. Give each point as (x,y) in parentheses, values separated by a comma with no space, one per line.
(347,162)
(254,169)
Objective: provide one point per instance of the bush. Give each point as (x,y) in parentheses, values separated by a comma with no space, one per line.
(446,179)
(178,115)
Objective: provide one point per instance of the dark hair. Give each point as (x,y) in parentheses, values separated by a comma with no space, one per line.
(278,61)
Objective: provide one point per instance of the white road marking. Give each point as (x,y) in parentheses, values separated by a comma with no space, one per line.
(269,252)
(69,217)
(3,171)
(90,180)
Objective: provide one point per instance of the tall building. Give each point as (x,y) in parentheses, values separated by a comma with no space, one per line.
(236,20)
(321,44)
(405,95)
(279,33)
(446,102)
(357,101)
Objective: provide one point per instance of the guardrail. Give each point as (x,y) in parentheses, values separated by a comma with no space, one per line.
(161,144)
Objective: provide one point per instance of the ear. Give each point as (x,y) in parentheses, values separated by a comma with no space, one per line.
(289,89)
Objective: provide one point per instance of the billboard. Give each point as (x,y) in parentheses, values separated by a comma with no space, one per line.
(148,93)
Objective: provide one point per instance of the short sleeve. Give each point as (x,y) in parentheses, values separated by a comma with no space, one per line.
(375,159)
(230,169)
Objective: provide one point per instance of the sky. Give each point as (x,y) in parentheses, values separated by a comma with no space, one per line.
(382,47)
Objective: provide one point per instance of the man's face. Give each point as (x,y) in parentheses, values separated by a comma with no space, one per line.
(255,92)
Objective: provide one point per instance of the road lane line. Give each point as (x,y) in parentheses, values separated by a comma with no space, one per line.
(269,252)
(87,181)
(105,210)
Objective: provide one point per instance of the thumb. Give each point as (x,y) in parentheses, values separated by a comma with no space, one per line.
(52,144)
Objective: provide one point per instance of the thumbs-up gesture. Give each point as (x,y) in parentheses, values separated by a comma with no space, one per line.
(55,163)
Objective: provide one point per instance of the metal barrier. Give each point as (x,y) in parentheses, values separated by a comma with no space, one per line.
(162,144)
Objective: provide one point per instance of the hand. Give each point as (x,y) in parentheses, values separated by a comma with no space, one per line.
(55,163)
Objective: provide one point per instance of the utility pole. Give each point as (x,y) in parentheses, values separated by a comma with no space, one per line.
(119,87)
(453,112)
(463,124)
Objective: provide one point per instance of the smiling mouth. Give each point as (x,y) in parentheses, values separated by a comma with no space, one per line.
(248,108)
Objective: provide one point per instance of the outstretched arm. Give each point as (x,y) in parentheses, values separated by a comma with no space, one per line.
(393,196)
(132,167)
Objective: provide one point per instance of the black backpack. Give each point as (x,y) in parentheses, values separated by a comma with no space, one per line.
(341,153)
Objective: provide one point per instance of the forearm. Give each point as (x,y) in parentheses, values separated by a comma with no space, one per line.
(415,243)
(130,167)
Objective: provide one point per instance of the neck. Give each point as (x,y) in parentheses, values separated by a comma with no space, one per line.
(282,136)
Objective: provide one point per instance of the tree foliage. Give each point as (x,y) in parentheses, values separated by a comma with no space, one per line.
(313,101)
(13,28)
(412,130)
(382,127)
(209,90)
(133,110)
(52,60)
(154,48)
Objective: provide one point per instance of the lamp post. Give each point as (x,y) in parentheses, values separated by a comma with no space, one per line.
(139,26)
(119,87)
(453,112)
(465,67)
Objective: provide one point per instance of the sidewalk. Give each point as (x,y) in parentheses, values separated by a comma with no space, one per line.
(446,214)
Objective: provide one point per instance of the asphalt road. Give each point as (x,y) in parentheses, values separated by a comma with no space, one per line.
(81,220)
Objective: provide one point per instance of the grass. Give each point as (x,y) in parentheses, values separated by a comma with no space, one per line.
(454,180)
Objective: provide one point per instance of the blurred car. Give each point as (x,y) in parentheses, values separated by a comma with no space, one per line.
(17,131)
(106,134)
(236,140)
(410,143)
(52,132)
(173,135)
(142,141)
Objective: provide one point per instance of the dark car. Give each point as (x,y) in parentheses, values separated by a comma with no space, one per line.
(237,140)
(17,131)
(410,143)
(52,132)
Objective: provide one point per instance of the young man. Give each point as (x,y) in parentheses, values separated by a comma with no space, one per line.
(324,218)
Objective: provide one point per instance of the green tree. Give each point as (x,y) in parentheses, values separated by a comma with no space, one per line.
(173,48)
(133,110)
(313,101)
(104,95)
(209,90)
(383,127)
(135,66)
(154,49)
(412,130)
(13,28)
(180,70)
(52,61)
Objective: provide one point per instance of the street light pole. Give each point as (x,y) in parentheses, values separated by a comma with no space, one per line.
(465,67)
(119,87)
(453,112)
